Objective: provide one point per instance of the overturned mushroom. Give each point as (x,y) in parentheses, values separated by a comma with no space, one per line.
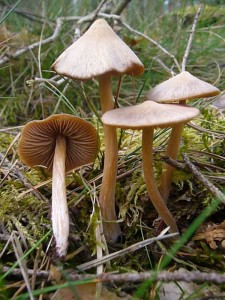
(59,143)
(101,54)
(179,88)
(146,117)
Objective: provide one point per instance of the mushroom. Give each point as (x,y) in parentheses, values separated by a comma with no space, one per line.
(182,87)
(100,53)
(146,117)
(179,88)
(59,143)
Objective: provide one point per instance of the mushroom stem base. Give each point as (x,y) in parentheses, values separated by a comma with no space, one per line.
(172,152)
(111,229)
(160,206)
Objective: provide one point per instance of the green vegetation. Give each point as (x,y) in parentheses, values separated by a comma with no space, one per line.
(29,90)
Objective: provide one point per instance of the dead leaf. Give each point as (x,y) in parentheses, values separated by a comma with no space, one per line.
(86,292)
(211,233)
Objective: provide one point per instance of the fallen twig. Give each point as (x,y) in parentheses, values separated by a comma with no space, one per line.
(218,134)
(89,18)
(153,42)
(164,276)
(190,39)
(15,170)
(188,165)
(59,22)
(129,249)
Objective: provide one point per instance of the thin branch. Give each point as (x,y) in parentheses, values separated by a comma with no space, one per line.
(59,22)
(15,171)
(188,165)
(213,189)
(132,248)
(120,7)
(52,80)
(153,42)
(55,35)
(190,39)
(169,70)
(50,39)
(93,14)
(163,276)
(218,134)
(118,18)
(194,276)
(90,17)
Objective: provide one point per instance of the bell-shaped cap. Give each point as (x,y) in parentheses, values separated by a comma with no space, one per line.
(149,114)
(183,86)
(38,139)
(99,51)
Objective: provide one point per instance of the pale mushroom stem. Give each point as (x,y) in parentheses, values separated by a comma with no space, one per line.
(172,152)
(60,214)
(111,228)
(147,158)
(105,91)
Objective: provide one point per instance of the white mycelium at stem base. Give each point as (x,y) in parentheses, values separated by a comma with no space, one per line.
(147,146)
(107,193)
(60,214)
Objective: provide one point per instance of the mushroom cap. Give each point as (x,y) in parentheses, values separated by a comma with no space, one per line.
(183,86)
(38,139)
(97,52)
(149,114)
(220,102)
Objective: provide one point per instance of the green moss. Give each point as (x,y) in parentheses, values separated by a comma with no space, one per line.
(27,214)
(5,141)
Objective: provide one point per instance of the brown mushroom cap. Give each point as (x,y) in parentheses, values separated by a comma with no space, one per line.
(183,86)
(149,114)
(38,138)
(97,52)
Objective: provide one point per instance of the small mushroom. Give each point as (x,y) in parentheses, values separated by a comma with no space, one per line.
(182,87)
(146,117)
(179,88)
(101,54)
(59,143)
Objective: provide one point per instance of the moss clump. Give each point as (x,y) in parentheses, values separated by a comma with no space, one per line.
(27,214)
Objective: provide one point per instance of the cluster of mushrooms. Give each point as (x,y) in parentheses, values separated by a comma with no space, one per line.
(63,142)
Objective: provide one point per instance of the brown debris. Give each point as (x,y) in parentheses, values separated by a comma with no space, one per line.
(212,234)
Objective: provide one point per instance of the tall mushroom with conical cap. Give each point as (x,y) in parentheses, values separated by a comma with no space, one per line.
(147,116)
(59,143)
(101,54)
(179,88)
